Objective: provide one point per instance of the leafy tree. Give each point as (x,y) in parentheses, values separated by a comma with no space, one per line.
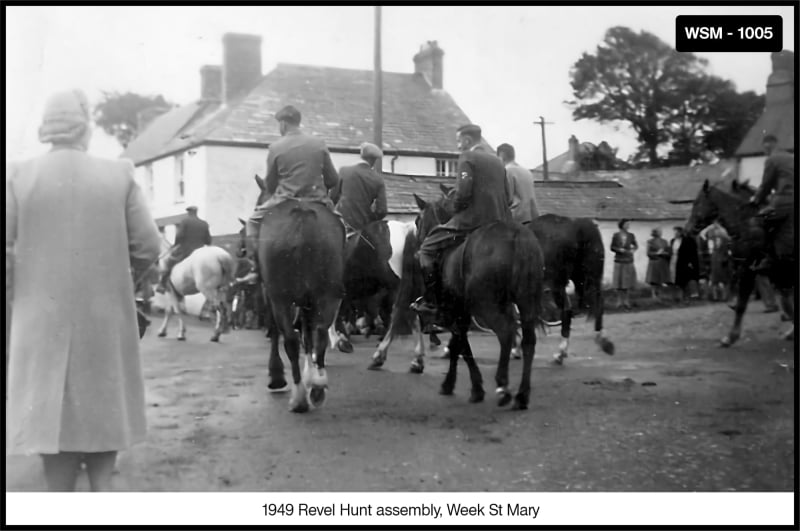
(735,113)
(123,115)
(635,78)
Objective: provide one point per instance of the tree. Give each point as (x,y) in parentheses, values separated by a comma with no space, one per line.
(735,114)
(125,115)
(634,78)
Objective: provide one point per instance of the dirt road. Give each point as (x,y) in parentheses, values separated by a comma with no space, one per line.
(669,412)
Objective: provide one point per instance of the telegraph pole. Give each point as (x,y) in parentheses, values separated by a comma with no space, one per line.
(377,118)
(544,145)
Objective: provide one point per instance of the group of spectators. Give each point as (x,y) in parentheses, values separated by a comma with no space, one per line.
(682,268)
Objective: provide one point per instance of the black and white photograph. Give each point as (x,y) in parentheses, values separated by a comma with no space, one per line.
(401,265)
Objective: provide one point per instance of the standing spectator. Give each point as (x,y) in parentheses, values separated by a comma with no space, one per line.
(659,253)
(623,245)
(684,266)
(721,264)
(704,262)
(75,225)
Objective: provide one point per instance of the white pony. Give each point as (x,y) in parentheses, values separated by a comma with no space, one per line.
(208,270)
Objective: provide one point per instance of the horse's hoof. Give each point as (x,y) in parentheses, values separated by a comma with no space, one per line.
(416,368)
(504,397)
(303,407)
(520,403)
(445,390)
(558,359)
(445,353)
(278,386)
(375,365)
(344,346)
(317,396)
(162,334)
(789,335)
(181,338)
(725,342)
(476,395)
(215,339)
(607,346)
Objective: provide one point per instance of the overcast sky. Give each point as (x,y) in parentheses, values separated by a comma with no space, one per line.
(504,66)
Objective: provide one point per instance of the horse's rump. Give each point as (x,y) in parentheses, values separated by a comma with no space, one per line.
(207,268)
(300,251)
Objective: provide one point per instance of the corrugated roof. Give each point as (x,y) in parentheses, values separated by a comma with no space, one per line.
(336,104)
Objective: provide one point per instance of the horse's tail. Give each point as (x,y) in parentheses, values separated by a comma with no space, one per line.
(527,276)
(589,268)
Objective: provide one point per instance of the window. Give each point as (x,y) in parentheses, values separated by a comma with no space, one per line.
(180,183)
(446,167)
(148,182)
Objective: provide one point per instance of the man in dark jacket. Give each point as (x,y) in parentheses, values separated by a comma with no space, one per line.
(191,234)
(777,216)
(360,196)
(481,196)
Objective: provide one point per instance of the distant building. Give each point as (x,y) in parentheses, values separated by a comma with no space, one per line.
(778,119)
(207,152)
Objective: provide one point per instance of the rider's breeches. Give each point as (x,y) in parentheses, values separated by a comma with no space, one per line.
(439,240)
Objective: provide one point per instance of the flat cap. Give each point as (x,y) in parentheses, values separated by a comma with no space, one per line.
(288,114)
(191,208)
(370,150)
(470,130)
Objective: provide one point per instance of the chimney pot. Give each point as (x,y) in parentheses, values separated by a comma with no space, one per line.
(241,64)
(211,83)
(428,62)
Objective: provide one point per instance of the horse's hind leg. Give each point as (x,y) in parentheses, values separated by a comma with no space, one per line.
(454,348)
(298,403)
(605,344)
(563,302)
(476,393)
(323,316)
(504,327)
(162,332)
(746,283)
(528,350)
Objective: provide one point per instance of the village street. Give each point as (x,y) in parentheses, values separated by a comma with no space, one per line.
(671,411)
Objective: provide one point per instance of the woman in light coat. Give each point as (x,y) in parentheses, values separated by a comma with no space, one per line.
(75,226)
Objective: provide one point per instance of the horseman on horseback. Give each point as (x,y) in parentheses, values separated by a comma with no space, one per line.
(777,217)
(481,197)
(298,167)
(191,234)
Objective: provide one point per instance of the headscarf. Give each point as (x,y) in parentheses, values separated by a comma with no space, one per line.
(66,118)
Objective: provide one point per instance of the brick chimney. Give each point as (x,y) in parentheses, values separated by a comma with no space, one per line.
(780,84)
(241,64)
(428,62)
(211,83)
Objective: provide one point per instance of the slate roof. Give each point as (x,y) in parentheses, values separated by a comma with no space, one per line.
(603,200)
(777,120)
(336,104)
(600,200)
(675,184)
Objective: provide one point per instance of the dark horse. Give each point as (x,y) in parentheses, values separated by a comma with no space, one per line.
(301,262)
(736,214)
(498,266)
(368,280)
(573,250)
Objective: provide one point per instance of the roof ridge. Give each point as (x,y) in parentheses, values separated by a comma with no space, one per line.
(328,67)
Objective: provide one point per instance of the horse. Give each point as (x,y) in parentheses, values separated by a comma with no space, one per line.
(369,280)
(737,215)
(300,253)
(499,266)
(403,320)
(208,270)
(573,250)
